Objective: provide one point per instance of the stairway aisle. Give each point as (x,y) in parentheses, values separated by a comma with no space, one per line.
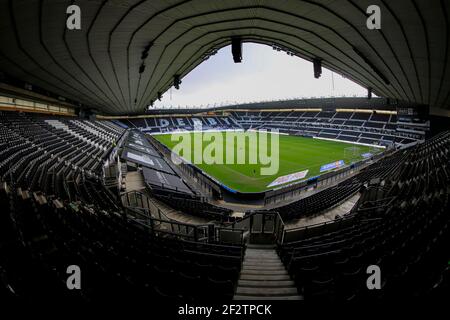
(264,277)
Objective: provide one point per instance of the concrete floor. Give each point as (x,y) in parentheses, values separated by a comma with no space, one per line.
(134,181)
(177,215)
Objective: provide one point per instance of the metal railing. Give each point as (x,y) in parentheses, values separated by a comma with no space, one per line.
(324,180)
(143,210)
(297,234)
(261,222)
(136,199)
(164,227)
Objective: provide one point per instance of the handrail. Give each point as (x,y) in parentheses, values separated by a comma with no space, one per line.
(278,224)
(144,207)
(386,202)
(321,223)
(147,199)
(152,222)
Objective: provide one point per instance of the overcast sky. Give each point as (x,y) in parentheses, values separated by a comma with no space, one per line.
(263,74)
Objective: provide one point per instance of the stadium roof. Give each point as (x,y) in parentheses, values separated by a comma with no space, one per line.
(407,59)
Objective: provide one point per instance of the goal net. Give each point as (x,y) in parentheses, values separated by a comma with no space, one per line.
(352,154)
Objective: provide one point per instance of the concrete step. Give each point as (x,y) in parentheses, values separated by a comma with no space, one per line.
(263,292)
(262,267)
(271,277)
(293,297)
(261,250)
(261,246)
(263,263)
(263,272)
(272,266)
(261,256)
(266,283)
(262,259)
(264,277)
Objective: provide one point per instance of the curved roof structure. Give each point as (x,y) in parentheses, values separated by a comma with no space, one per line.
(99,65)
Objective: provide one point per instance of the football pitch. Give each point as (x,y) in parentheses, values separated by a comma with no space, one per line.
(295,154)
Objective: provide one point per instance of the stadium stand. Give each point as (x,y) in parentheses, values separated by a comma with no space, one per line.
(42,153)
(403,227)
(119,259)
(165,184)
(174,123)
(330,197)
(59,213)
(193,205)
(359,194)
(360,127)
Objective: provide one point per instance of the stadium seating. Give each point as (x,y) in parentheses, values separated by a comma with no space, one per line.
(57,212)
(39,239)
(192,204)
(330,197)
(404,229)
(368,128)
(42,153)
(360,127)
(174,123)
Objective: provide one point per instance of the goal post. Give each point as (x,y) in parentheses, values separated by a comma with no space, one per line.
(374,150)
(352,153)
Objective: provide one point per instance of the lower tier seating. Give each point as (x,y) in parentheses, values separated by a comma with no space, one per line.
(118,259)
(403,228)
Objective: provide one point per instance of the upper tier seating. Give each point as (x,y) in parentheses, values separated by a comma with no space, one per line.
(171,124)
(319,124)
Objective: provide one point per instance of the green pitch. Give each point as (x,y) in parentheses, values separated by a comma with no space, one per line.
(295,154)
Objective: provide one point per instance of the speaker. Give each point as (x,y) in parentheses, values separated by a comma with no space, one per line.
(236,49)
(317,64)
(176,81)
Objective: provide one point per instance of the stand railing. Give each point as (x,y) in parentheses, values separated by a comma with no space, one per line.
(139,207)
(260,223)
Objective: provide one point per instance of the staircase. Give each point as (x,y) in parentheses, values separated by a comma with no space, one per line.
(263,276)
